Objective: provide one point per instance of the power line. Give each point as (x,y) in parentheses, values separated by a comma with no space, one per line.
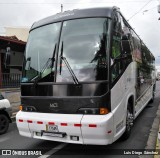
(6,3)
(149,9)
(139,10)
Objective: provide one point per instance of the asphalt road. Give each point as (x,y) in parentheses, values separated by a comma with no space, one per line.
(137,140)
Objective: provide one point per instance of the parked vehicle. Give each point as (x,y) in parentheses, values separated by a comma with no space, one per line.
(158,73)
(158,76)
(5,114)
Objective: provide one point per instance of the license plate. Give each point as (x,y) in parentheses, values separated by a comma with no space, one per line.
(52,128)
(60,135)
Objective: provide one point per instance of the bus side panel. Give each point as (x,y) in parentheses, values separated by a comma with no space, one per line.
(143,101)
(120,93)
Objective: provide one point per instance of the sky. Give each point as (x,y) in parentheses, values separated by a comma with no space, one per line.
(142,15)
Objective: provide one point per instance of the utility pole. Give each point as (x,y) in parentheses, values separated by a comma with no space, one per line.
(61,7)
(159,8)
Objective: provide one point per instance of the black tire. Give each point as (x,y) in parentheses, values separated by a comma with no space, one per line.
(153,96)
(4,123)
(152,99)
(129,123)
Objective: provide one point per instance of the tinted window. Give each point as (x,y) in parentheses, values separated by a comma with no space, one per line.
(83,43)
(39,49)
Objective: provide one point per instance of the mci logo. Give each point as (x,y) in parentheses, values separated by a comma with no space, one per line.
(6,152)
(53,105)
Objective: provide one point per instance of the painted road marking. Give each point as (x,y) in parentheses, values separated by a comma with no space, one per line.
(54,150)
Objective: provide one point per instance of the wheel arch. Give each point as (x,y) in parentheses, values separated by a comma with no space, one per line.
(131,101)
(3,111)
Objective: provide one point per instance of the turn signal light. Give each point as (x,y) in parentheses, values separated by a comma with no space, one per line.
(20,107)
(93,111)
(104,111)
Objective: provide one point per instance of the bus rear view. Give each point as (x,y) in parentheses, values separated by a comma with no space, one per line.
(67,80)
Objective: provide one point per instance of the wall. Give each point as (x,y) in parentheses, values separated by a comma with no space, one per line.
(16,58)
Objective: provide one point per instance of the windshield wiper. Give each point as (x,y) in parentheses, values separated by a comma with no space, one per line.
(68,66)
(48,64)
(70,70)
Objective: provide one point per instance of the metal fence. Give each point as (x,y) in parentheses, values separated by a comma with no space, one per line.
(10,80)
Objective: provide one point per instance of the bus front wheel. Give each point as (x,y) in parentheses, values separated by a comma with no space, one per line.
(129,123)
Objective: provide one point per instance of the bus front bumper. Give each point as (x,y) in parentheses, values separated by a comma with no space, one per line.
(69,128)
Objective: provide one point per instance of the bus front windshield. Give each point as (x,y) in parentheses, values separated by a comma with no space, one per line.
(39,55)
(83,44)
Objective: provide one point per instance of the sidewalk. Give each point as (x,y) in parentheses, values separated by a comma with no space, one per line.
(158,144)
(153,142)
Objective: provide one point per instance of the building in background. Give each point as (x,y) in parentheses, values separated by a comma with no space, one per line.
(12,46)
(11,57)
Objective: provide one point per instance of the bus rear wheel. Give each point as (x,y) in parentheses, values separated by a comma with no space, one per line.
(129,123)
(153,95)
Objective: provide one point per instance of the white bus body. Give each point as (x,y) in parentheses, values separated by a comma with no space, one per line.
(129,93)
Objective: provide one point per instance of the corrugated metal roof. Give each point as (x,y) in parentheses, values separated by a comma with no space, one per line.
(13,39)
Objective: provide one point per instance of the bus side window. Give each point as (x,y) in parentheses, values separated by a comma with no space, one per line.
(116,46)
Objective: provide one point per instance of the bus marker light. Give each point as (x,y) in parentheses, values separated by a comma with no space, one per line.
(51,123)
(39,122)
(29,121)
(20,120)
(109,132)
(77,125)
(92,125)
(104,111)
(64,124)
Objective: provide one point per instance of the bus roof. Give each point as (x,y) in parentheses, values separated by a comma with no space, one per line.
(74,14)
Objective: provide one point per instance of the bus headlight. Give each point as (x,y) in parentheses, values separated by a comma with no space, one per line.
(93,111)
(28,108)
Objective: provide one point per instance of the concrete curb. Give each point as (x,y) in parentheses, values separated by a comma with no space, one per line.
(158,144)
(10,90)
(152,139)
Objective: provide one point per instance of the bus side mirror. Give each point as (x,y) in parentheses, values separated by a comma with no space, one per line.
(126,45)
(28,63)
